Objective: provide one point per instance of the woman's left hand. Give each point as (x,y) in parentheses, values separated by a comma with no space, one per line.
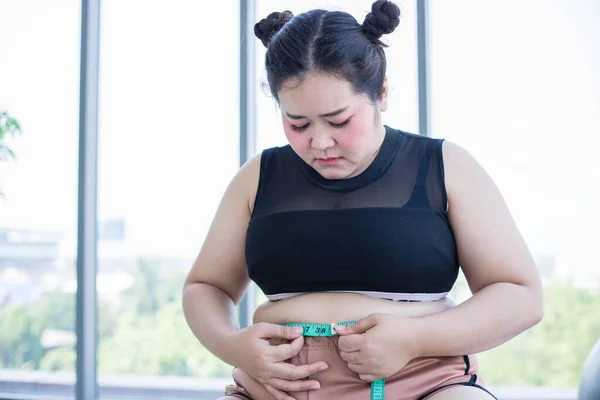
(378,346)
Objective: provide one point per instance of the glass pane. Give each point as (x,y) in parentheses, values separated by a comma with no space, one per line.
(39,88)
(524,101)
(169,131)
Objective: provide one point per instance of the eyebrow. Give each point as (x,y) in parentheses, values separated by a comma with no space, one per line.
(329,114)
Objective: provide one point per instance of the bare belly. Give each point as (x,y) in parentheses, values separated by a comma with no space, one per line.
(325,308)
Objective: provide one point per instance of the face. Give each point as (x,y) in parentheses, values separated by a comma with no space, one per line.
(334,130)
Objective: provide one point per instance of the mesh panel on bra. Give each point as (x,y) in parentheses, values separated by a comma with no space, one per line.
(407,172)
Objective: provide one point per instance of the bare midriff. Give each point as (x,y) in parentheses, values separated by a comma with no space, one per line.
(326,308)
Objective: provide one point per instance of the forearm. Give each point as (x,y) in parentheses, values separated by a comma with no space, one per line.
(210,314)
(489,318)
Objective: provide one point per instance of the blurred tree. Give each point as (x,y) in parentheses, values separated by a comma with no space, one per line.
(551,353)
(144,291)
(107,318)
(22,327)
(55,310)
(60,359)
(153,287)
(159,342)
(20,338)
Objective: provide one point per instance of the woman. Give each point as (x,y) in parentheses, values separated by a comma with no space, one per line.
(354,221)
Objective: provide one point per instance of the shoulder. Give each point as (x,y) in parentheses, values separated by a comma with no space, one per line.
(464,175)
(457,159)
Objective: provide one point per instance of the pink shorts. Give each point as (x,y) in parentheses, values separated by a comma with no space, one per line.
(418,380)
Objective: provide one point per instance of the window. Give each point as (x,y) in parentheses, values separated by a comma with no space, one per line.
(524,100)
(39,87)
(169,141)
(518,86)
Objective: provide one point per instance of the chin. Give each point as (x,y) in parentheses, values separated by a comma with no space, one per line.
(333,173)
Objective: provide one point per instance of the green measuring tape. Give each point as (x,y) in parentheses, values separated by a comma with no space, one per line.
(328,330)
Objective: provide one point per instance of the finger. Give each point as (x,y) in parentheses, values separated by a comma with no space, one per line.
(359,368)
(361,326)
(278,394)
(351,343)
(272,331)
(292,372)
(285,351)
(294,386)
(368,377)
(353,357)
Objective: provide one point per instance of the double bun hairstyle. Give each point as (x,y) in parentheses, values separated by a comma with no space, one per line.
(330,42)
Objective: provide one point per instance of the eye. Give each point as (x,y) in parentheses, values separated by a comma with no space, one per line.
(341,124)
(299,128)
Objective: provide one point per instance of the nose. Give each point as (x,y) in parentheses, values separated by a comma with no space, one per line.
(322,140)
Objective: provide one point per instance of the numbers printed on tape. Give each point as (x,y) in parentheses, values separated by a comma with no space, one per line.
(310,329)
(319,329)
(377,389)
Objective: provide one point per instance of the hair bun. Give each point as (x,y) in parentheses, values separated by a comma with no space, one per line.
(267,27)
(383,19)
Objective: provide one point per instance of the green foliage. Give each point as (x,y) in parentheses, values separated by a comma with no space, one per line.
(160,344)
(551,353)
(55,310)
(9,127)
(20,338)
(21,328)
(144,292)
(60,359)
(145,332)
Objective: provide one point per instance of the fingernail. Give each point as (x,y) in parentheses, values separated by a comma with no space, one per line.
(315,387)
(340,327)
(298,330)
(323,368)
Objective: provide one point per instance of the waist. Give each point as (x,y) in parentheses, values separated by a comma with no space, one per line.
(325,308)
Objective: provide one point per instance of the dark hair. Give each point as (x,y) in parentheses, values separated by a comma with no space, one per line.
(331,42)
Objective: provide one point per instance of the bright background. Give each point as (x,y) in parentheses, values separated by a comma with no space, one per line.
(516,83)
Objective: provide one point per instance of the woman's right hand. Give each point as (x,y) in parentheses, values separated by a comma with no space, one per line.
(257,357)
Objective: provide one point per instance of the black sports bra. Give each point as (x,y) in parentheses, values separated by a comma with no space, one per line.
(384,233)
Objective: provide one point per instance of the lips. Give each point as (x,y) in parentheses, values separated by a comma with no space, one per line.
(329,160)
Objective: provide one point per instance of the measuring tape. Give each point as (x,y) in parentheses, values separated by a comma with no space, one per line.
(329,330)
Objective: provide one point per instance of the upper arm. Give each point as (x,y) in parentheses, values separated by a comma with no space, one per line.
(221,261)
(489,244)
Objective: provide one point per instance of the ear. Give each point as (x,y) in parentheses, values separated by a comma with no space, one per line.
(382,103)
